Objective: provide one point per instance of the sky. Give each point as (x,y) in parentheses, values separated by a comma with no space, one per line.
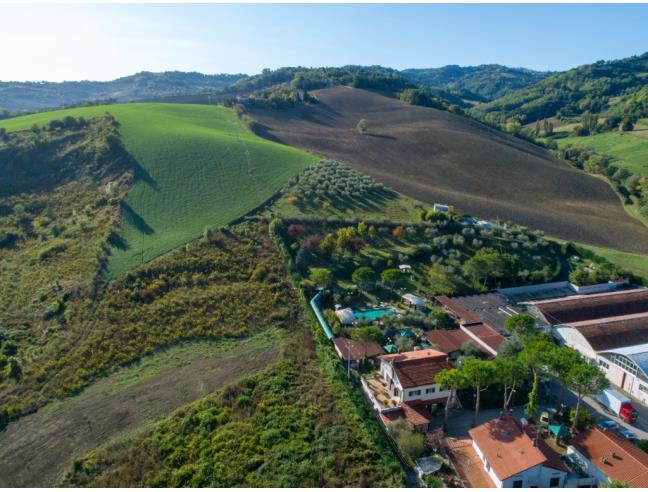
(102,42)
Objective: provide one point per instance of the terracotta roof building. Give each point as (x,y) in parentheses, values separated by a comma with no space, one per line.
(356,350)
(608,456)
(511,459)
(416,368)
(409,378)
(448,341)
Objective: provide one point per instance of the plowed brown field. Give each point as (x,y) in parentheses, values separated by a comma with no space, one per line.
(436,156)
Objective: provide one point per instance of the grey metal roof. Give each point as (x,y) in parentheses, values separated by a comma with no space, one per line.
(491,308)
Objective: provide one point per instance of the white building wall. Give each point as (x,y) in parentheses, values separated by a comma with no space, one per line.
(572,338)
(634,386)
(438,393)
(489,469)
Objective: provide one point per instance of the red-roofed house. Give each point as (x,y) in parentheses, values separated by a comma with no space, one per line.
(511,457)
(411,375)
(607,456)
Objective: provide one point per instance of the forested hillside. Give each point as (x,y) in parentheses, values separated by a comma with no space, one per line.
(479,83)
(616,88)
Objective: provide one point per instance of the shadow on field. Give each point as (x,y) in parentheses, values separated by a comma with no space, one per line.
(142,174)
(137,220)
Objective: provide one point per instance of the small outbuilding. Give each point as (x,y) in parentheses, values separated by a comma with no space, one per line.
(427,466)
(414,301)
(345,316)
(440,207)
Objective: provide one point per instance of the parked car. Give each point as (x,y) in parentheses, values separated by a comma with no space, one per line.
(628,434)
(607,425)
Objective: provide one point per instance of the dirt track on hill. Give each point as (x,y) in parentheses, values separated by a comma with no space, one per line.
(37,449)
(436,156)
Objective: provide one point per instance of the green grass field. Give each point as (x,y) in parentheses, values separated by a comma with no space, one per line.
(630,148)
(199,167)
(637,264)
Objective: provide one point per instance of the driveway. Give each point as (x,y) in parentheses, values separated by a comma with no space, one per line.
(460,421)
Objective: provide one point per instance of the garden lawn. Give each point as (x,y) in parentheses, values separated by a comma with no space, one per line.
(198,167)
(630,150)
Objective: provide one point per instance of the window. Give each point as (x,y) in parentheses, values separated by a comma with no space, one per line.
(554,482)
(626,364)
(604,364)
(517,484)
(414,393)
(643,388)
(430,390)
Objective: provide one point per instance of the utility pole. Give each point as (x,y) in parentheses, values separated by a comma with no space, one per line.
(349,359)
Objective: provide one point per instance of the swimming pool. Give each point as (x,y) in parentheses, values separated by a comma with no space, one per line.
(374,313)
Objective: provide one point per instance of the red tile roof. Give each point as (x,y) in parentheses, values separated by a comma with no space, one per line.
(508,448)
(414,415)
(486,335)
(359,350)
(615,456)
(418,367)
(447,340)
(593,306)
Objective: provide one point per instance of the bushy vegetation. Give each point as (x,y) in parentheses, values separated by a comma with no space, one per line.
(423,97)
(298,424)
(374,77)
(196,168)
(446,255)
(230,284)
(60,204)
(633,186)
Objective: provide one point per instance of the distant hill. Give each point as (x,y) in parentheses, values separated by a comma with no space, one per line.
(617,87)
(478,83)
(30,96)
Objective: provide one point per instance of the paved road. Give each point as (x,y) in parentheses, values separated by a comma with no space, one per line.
(460,421)
(640,428)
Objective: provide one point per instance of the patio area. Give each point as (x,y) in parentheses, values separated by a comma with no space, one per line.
(379,392)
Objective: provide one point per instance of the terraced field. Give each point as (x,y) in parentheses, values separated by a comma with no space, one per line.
(436,156)
(198,167)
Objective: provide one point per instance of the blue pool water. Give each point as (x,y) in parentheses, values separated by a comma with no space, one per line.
(374,313)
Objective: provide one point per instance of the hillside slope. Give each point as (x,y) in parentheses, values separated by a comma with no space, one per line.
(617,88)
(198,168)
(437,156)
